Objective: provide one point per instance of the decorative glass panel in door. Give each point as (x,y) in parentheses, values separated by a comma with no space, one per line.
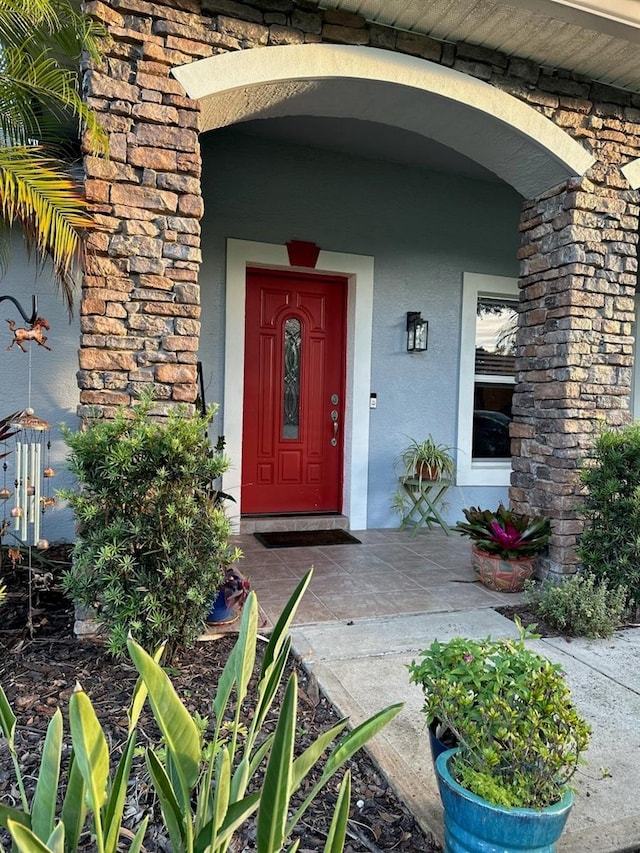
(291,378)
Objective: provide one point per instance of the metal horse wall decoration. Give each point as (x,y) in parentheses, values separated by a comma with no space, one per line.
(36,324)
(35,333)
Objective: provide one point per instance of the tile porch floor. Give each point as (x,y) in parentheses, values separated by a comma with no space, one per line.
(392,572)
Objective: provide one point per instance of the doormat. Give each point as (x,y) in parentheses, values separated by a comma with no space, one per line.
(305,538)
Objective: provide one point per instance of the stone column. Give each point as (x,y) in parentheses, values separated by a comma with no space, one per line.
(140,301)
(574,347)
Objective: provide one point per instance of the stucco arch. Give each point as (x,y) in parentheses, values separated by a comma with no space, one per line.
(485,124)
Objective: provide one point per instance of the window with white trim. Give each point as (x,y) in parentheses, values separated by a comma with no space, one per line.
(487,379)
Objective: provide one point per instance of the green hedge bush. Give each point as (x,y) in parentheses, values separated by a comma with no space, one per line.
(610,544)
(581,605)
(152,540)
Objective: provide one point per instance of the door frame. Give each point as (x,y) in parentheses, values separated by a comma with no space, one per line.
(358,270)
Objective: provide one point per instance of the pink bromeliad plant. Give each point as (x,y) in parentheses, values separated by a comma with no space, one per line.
(505,533)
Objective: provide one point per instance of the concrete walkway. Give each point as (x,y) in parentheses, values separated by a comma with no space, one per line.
(360,665)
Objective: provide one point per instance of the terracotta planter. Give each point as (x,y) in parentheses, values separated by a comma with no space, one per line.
(426,472)
(499,574)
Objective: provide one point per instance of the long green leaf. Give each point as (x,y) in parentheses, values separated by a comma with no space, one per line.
(267,689)
(221,793)
(91,755)
(43,807)
(354,741)
(112,819)
(237,814)
(74,809)
(229,676)
(259,754)
(173,816)
(140,694)
(226,681)
(7,718)
(269,684)
(55,841)
(357,737)
(8,727)
(276,656)
(245,661)
(279,633)
(8,813)
(25,841)
(204,803)
(312,753)
(338,828)
(178,728)
(211,811)
(136,844)
(247,768)
(276,790)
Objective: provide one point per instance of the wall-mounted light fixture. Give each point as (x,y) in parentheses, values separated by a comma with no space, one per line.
(417,332)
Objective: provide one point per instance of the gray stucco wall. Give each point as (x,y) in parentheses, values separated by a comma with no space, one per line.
(424,230)
(54,390)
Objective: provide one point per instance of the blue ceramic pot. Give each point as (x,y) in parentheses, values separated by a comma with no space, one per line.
(438,745)
(230,598)
(221,611)
(472,825)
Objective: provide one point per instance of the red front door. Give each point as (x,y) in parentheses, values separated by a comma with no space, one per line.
(293,393)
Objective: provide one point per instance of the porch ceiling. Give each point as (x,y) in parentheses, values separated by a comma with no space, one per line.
(368,140)
(503,135)
(597,38)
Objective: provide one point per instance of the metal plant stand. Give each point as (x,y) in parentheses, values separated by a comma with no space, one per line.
(426,499)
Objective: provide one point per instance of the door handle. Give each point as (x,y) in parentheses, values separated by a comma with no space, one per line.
(334,418)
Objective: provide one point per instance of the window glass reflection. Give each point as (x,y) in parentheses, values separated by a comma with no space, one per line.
(496,324)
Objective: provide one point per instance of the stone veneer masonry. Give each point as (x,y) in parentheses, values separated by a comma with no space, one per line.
(140,308)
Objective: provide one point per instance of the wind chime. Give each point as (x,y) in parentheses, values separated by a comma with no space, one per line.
(32,446)
(31,494)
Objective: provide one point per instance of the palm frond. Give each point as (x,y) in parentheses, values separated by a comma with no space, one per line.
(41,42)
(34,17)
(79,33)
(25,86)
(44,200)
(20,18)
(5,247)
(33,88)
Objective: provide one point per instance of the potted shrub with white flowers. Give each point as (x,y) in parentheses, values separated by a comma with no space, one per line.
(504,545)
(520,741)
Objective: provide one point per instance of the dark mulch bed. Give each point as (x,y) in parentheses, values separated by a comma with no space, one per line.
(38,671)
(529,620)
